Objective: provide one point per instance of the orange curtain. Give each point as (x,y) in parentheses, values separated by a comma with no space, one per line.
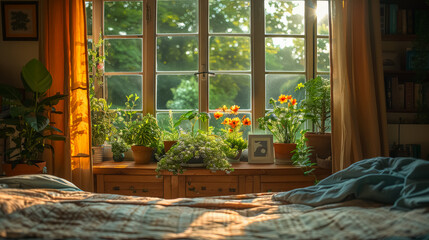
(359,125)
(65,56)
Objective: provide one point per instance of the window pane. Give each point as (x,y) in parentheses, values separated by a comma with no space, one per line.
(176,92)
(323,55)
(88,8)
(118,87)
(229,53)
(322,17)
(228,16)
(123,55)
(228,89)
(218,126)
(177,54)
(284,17)
(123,18)
(276,84)
(284,54)
(164,117)
(179,16)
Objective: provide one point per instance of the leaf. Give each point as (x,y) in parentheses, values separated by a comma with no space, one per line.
(36,77)
(56,137)
(52,100)
(37,122)
(10,92)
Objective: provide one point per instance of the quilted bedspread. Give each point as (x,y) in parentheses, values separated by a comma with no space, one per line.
(54,214)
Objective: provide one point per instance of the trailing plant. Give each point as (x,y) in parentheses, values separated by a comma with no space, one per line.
(212,150)
(301,156)
(284,120)
(29,126)
(317,104)
(144,132)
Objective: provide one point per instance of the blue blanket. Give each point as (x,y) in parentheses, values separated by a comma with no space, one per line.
(31,181)
(401,182)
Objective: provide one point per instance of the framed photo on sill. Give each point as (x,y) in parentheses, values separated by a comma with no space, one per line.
(20,20)
(260,148)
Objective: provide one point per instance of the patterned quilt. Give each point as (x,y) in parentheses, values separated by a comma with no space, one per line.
(55,214)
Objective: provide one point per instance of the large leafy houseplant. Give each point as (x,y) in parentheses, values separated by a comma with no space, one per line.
(317,107)
(209,150)
(29,126)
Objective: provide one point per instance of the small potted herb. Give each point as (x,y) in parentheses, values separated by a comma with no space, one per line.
(317,107)
(143,135)
(284,122)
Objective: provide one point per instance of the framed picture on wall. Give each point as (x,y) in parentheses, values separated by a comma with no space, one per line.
(260,148)
(20,21)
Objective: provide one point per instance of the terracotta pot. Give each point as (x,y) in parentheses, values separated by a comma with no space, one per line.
(21,169)
(320,143)
(97,154)
(168,145)
(283,153)
(142,154)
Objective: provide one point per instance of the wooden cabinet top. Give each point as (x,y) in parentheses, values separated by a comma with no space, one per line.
(242,168)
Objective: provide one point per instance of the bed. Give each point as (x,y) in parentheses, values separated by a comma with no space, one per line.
(339,207)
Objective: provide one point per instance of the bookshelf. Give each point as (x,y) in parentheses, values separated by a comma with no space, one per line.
(405,38)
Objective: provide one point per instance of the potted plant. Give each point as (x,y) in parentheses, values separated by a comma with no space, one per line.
(101,126)
(143,135)
(317,106)
(284,122)
(29,125)
(119,147)
(232,131)
(171,134)
(201,149)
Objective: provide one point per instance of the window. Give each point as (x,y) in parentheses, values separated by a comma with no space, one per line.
(202,54)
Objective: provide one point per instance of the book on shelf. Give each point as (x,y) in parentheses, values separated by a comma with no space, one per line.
(402,94)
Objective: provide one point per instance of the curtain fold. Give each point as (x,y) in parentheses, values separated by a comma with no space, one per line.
(359,125)
(65,56)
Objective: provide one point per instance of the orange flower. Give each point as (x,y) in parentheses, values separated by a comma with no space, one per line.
(234,122)
(247,122)
(282,98)
(234,109)
(226,121)
(218,115)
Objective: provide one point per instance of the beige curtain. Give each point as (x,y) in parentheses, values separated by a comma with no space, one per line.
(359,125)
(64,52)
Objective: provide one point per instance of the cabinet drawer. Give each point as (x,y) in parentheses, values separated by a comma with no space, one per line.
(280,183)
(202,186)
(146,186)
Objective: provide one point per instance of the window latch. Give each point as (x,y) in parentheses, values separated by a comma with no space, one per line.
(204,73)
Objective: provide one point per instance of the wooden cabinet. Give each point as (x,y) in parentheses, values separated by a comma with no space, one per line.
(128,178)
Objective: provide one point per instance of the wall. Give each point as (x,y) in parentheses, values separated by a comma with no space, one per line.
(14,55)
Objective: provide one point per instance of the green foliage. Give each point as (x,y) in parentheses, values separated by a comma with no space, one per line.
(29,126)
(171,133)
(192,116)
(101,121)
(317,104)
(211,149)
(144,132)
(284,121)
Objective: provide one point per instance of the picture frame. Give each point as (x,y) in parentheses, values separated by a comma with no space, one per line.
(20,20)
(260,148)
